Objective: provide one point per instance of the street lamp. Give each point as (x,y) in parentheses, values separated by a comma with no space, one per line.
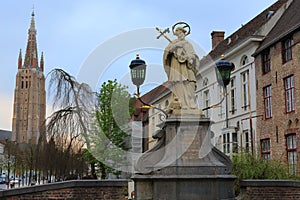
(223,71)
(138,75)
(138,72)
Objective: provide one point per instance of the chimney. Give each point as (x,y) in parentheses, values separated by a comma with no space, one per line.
(217,37)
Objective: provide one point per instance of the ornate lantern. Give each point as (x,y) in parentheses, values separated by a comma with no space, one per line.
(138,71)
(223,71)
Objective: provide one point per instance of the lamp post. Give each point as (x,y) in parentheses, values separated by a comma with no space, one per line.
(138,72)
(138,75)
(223,71)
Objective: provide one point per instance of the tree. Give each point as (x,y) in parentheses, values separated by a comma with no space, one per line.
(92,161)
(69,125)
(112,118)
(75,102)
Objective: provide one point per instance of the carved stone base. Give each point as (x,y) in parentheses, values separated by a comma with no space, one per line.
(184,164)
(188,187)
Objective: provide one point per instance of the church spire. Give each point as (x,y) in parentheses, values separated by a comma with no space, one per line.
(42,62)
(31,56)
(32,23)
(20,59)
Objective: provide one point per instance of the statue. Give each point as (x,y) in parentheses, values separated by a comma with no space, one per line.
(183,164)
(181,65)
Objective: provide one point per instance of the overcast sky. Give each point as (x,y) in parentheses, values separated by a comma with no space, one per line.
(71,33)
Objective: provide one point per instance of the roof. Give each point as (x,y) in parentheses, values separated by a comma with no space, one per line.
(246,31)
(149,97)
(288,23)
(154,94)
(5,135)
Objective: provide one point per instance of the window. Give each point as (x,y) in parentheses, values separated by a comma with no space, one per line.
(287,49)
(265,149)
(266,62)
(247,140)
(245,77)
(289,94)
(268,101)
(234,143)
(233,96)
(244,60)
(207,103)
(292,153)
(226,143)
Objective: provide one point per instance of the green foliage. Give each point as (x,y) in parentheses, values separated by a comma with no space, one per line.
(114,113)
(247,166)
(111,125)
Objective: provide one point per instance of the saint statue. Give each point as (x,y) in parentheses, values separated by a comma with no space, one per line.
(181,64)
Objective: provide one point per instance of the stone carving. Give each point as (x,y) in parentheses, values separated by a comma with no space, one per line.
(183,162)
(181,65)
(151,157)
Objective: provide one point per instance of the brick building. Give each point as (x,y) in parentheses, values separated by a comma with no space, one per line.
(29,97)
(235,123)
(239,130)
(277,62)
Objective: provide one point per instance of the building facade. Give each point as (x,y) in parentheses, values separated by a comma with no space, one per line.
(29,96)
(278,97)
(235,118)
(151,117)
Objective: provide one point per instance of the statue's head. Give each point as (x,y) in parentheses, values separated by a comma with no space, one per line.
(180,29)
(180,32)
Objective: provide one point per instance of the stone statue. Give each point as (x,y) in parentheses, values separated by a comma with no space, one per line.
(181,64)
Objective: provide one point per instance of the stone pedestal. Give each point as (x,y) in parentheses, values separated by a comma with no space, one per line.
(184,165)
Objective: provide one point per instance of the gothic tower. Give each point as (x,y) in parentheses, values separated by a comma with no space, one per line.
(29,99)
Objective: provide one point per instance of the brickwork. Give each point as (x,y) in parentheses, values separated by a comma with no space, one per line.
(75,190)
(281,123)
(28,123)
(267,189)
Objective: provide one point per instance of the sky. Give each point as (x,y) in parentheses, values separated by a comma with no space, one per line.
(95,40)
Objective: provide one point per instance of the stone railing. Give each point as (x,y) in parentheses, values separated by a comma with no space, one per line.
(77,189)
(269,189)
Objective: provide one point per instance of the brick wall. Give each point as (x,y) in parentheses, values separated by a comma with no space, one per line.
(75,190)
(269,189)
(281,123)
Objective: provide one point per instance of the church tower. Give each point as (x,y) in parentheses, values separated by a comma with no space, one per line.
(30,97)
